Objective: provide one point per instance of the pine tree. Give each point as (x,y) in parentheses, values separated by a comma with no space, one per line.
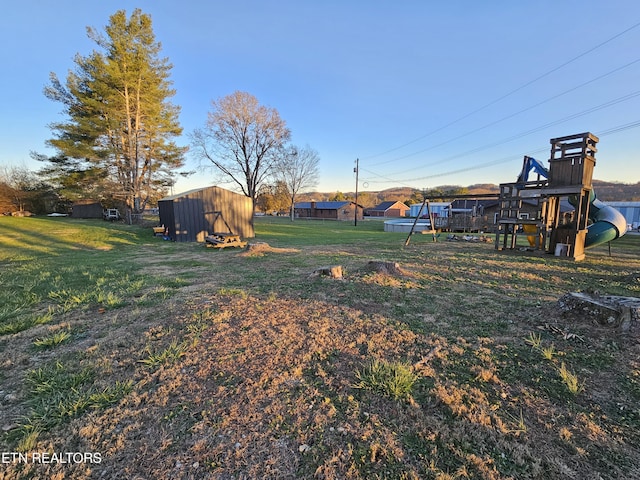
(120,121)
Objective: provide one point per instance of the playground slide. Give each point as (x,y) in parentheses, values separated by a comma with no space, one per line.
(608,223)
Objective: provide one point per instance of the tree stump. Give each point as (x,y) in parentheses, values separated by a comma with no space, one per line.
(389,268)
(333,271)
(621,314)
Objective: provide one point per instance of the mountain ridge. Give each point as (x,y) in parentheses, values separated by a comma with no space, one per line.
(605,191)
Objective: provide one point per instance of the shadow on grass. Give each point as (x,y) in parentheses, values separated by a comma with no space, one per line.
(26,237)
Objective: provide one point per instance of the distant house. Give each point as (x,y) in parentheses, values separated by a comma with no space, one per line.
(388,209)
(192,215)
(630,210)
(437,209)
(344,210)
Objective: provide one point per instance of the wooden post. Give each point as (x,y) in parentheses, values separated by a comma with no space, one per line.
(355,219)
(432,222)
(424,202)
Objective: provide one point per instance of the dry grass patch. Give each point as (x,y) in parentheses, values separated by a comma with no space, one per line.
(259,249)
(266,388)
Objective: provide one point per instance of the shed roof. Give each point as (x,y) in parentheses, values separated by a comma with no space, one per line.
(195,190)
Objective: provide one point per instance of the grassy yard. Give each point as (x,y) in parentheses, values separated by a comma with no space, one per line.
(166,360)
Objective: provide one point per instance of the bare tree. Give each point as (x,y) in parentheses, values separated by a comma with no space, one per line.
(298,170)
(21,189)
(243,140)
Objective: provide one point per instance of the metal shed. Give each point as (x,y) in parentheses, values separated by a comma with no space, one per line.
(87,209)
(192,215)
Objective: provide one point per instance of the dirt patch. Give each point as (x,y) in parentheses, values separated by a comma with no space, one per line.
(259,249)
(267,388)
(254,397)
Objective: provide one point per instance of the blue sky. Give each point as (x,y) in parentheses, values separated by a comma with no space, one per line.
(424,93)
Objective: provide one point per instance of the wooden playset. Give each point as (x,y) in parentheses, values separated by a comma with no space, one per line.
(569,176)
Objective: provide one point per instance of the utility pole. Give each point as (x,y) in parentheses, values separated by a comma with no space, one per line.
(356,169)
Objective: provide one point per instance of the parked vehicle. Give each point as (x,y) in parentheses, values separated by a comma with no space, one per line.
(111,214)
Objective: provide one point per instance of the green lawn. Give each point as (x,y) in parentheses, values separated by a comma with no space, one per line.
(229,364)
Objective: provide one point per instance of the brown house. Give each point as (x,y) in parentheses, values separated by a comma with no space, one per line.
(329,210)
(388,209)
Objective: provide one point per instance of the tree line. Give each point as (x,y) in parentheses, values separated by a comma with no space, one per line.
(117,141)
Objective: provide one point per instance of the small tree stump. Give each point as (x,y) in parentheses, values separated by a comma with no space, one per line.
(618,313)
(390,268)
(333,271)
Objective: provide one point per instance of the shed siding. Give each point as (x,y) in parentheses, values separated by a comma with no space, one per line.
(87,210)
(167,216)
(190,216)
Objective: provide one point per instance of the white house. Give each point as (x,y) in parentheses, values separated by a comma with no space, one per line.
(438,209)
(630,210)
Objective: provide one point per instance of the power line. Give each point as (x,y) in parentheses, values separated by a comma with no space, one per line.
(620,128)
(617,129)
(533,130)
(495,122)
(540,77)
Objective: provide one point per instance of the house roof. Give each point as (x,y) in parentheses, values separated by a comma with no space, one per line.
(323,205)
(387,205)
